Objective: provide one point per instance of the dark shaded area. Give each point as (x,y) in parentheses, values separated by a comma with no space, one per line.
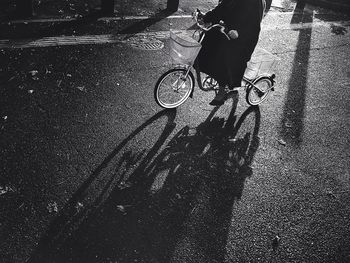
(107,7)
(83,24)
(172,5)
(338,30)
(143,24)
(24,8)
(153,204)
(58,28)
(268,5)
(293,113)
(300,4)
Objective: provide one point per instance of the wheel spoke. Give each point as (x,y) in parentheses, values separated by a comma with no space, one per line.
(173,89)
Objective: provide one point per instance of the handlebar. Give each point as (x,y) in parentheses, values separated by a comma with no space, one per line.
(221,24)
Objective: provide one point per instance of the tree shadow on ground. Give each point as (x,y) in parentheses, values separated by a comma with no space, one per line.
(160,206)
(145,23)
(294,108)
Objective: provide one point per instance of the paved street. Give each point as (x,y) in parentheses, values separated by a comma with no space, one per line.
(93,170)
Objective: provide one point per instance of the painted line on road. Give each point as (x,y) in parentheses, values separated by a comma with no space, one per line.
(126,38)
(117,18)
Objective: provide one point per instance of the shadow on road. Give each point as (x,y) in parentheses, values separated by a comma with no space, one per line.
(145,23)
(293,114)
(159,204)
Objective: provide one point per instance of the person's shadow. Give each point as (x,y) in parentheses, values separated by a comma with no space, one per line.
(167,206)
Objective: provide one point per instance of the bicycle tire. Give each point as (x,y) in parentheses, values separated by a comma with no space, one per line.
(177,98)
(264,83)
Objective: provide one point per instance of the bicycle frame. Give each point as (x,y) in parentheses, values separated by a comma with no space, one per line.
(247,82)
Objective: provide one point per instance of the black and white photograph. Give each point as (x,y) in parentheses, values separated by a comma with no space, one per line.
(174,131)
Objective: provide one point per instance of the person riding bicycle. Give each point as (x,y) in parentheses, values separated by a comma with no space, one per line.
(226,60)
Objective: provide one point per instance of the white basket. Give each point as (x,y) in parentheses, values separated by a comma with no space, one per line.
(261,62)
(183,48)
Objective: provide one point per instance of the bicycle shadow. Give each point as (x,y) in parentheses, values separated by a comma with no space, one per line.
(83,202)
(166,206)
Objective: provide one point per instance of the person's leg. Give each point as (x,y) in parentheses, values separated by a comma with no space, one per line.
(220,96)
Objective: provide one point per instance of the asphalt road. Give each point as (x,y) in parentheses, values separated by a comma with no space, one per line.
(94,171)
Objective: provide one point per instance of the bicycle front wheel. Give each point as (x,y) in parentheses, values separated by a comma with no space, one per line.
(173,88)
(258,93)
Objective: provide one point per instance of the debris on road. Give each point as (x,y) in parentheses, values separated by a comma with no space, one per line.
(5,189)
(122,208)
(330,193)
(78,207)
(275,242)
(34,74)
(124,185)
(81,88)
(288,124)
(282,142)
(52,207)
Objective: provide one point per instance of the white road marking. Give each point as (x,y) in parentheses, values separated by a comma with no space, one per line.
(116,18)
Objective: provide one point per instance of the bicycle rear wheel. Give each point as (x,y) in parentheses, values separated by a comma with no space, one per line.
(173,88)
(258,93)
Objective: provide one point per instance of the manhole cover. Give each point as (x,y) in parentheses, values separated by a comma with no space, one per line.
(145,44)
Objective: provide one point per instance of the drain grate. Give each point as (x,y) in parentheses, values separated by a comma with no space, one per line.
(145,43)
(149,46)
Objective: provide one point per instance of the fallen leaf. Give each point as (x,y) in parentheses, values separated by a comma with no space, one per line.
(52,207)
(282,142)
(331,194)
(79,206)
(5,190)
(124,185)
(121,208)
(81,88)
(33,72)
(288,124)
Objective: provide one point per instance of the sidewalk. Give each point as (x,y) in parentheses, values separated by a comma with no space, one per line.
(74,18)
(78,18)
(64,9)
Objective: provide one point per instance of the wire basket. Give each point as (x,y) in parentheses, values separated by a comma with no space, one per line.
(261,62)
(183,48)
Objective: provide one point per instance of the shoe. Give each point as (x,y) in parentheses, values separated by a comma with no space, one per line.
(220,98)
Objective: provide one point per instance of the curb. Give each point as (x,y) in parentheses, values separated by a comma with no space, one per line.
(330,5)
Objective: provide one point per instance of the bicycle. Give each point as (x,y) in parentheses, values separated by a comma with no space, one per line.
(176,85)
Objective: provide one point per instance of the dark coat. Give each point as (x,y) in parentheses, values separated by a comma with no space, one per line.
(223,59)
